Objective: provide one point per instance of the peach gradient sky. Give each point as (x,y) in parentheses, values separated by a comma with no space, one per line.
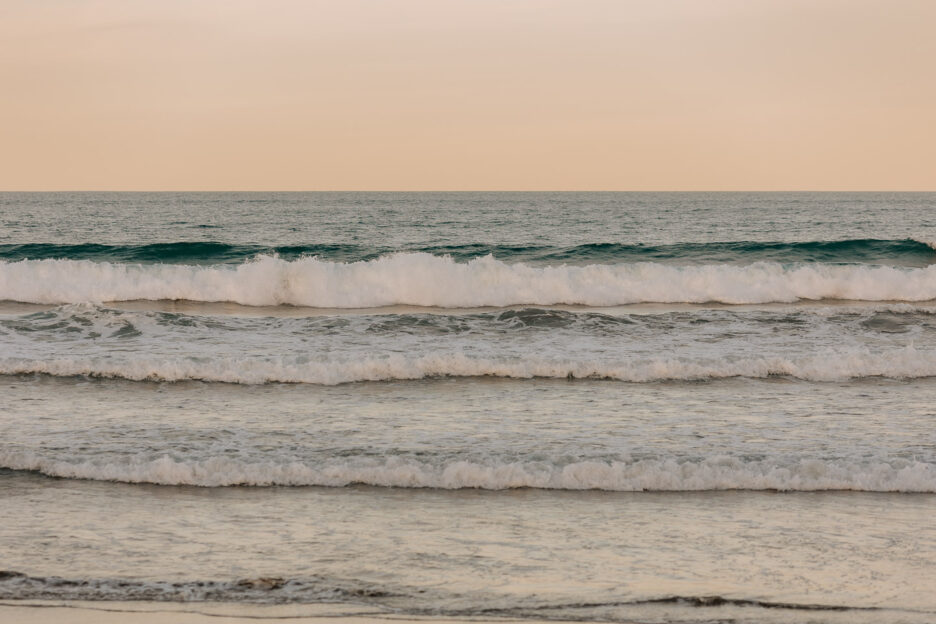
(467,95)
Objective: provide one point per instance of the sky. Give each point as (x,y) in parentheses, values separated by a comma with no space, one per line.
(467,95)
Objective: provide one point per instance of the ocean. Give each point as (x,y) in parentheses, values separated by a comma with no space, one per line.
(654,407)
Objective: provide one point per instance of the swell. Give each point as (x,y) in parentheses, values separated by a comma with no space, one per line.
(439,281)
(651,475)
(901,252)
(830,366)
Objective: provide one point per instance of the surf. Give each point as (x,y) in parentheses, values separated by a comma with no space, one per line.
(421,279)
(828,366)
(656,475)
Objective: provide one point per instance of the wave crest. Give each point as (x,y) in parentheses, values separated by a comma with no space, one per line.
(905,252)
(422,279)
(904,363)
(717,473)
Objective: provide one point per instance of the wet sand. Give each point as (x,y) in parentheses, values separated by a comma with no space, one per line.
(104,612)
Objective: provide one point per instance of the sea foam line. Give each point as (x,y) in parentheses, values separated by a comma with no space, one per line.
(840,365)
(438,281)
(715,473)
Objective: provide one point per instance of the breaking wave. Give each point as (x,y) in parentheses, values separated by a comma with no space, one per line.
(716,473)
(904,363)
(422,279)
(19,586)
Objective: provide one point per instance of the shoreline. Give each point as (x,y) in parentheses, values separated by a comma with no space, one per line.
(153,612)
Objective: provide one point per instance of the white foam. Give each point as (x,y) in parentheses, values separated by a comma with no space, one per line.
(425,280)
(838,365)
(716,473)
(929,243)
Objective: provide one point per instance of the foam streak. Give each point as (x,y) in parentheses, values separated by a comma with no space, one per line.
(717,473)
(904,363)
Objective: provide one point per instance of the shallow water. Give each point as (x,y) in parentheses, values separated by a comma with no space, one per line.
(471,551)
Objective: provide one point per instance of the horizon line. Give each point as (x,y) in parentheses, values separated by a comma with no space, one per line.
(466,191)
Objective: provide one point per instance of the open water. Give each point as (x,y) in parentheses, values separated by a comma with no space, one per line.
(682,407)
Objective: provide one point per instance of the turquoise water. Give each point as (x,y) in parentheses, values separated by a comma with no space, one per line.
(608,406)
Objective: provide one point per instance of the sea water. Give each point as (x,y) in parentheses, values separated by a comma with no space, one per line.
(595,406)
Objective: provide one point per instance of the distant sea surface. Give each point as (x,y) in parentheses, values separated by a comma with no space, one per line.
(668,407)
